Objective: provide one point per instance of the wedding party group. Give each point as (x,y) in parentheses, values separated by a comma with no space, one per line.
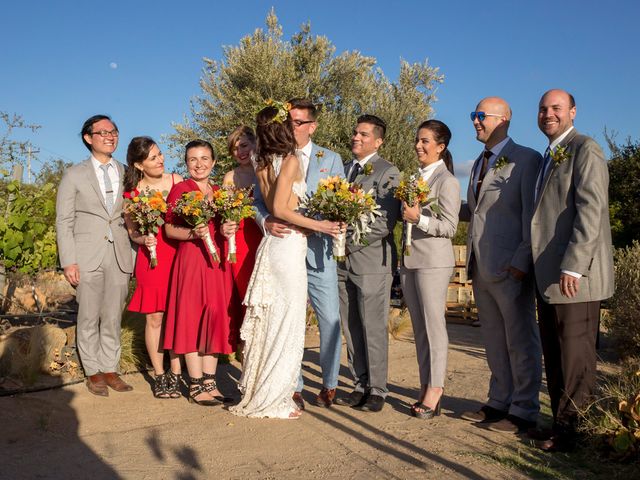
(232,267)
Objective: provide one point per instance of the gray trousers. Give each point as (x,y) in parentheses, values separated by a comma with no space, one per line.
(506,310)
(364,311)
(101,295)
(425,293)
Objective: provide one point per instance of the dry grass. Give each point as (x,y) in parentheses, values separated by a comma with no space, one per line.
(400,324)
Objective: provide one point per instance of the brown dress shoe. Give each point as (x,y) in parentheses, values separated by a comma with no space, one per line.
(97,385)
(298,400)
(325,397)
(115,382)
(486,414)
(511,424)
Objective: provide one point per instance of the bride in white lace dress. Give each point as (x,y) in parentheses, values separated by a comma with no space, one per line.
(274,324)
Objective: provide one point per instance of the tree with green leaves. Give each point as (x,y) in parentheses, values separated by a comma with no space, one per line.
(265,65)
(624,185)
(13,151)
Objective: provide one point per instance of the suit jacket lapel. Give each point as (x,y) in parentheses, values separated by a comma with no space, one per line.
(93,181)
(491,172)
(564,143)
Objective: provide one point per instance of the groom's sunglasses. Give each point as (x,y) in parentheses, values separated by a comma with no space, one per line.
(482,115)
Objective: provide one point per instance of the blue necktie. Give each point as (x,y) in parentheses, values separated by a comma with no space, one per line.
(543,171)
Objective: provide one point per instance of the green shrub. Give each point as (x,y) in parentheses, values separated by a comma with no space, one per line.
(623,322)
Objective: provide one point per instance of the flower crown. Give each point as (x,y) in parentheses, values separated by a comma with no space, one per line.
(281,107)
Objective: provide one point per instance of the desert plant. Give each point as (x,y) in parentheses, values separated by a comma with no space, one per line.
(612,422)
(623,321)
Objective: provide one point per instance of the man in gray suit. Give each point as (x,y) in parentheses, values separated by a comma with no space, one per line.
(95,252)
(364,279)
(322,281)
(573,263)
(499,207)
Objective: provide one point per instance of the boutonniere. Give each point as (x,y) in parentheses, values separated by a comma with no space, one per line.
(367,169)
(502,162)
(559,155)
(319,155)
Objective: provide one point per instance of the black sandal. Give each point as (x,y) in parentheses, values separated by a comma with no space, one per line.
(173,382)
(420,410)
(159,387)
(196,388)
(211,385)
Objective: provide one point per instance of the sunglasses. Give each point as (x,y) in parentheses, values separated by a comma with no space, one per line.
(482,115)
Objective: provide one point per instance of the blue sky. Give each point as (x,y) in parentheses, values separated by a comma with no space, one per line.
(57,59)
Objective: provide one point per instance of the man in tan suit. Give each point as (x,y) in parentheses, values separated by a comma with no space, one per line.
(499,207)
(95,252)
(571,244)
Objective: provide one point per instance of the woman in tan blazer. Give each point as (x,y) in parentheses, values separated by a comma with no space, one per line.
(425,274)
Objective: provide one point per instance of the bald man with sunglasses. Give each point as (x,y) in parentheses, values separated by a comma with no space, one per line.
(499,208)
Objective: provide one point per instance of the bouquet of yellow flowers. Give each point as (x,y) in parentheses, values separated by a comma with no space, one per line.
(233,204)
(147,210)
(413,190)
(196,210)
(340,201)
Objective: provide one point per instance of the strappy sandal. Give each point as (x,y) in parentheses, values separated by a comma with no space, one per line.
(173,382)
(197,388)
(420,410)
(159,387)
(211,386)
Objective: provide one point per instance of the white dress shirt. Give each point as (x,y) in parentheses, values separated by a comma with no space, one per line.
(425,173)
(304,154)
(114,176)
(362,163)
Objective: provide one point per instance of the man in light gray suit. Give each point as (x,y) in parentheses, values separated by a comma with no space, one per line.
(95,252)
(499,207)
(573,263)
(364,279)
(322,281)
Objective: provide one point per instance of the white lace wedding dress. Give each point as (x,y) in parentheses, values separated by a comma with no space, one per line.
(274,324)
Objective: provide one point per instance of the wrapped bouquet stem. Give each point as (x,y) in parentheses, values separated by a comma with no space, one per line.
(147,210)
(414,191)
(340,201)
(233,204)
(196,211)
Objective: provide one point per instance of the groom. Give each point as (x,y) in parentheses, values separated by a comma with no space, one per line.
(322,280)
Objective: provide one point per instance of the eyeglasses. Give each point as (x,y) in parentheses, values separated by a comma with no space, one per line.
(106,133)
(482,115)
(299,123)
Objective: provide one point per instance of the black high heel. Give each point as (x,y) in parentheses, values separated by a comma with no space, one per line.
(196,388)
(173,381)
(211,386)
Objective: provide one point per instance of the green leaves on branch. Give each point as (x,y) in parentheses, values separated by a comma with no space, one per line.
(27,227)
(265,65)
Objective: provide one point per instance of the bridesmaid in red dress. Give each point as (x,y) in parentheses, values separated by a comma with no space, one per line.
(146,172)
(241,144)
(198,322)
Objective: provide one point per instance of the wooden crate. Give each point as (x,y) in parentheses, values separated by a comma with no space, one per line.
(460,275)
(460,295)
(460,255)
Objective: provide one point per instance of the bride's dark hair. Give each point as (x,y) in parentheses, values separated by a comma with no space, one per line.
(274,137)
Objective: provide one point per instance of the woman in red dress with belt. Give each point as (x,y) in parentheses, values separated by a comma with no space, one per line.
(198,318)
(241,144)
(146,172)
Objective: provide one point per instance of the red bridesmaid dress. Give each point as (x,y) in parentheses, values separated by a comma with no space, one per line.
(199,313)
(152,284)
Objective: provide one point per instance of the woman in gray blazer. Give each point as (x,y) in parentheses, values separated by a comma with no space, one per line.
(425,274)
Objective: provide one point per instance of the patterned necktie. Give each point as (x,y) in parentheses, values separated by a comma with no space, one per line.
(357,168)
(486,155)
(108,194)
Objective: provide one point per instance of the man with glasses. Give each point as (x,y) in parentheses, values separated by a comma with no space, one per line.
(499,208)
(571,244)
(95,252)
(322,280)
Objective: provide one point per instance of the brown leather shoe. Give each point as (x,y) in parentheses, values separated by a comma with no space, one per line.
(97,385)
(298,400)
(486,414)
(325,397)
(115,382)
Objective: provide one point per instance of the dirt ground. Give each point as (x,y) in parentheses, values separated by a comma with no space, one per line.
(69,433)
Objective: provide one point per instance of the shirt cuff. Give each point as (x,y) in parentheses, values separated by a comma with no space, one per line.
(573,274)
(423,223)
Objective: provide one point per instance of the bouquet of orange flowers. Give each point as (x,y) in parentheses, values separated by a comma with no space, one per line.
(233,204)
(413,190)
(147,210)
(340,201)
(196,210)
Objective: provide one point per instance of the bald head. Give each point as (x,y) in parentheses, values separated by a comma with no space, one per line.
(555,92)
(556,112)
(495,126)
